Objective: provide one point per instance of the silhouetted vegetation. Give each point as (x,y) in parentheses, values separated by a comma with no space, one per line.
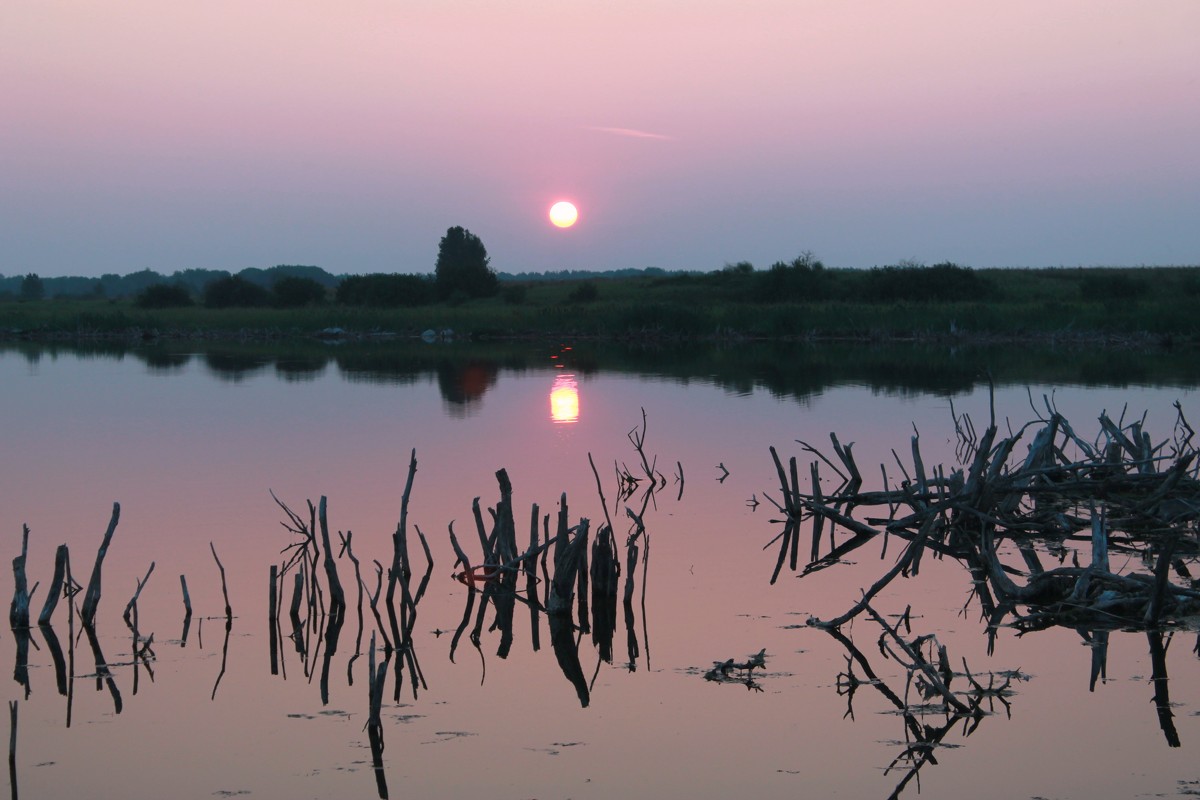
(463,266)
(163,295)
(514,294)
(235,292)
(386,291)
(1112,286)
(797,299)
(294,292)
(585,292)
(804,280)
(32,287)
(913,282)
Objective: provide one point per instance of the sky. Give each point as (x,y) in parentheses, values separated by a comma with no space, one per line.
(690,133)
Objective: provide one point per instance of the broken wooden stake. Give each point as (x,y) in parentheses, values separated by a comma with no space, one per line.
(91,598)
(224,586)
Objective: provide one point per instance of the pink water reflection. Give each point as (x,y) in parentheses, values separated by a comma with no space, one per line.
(192,460)
(564,399)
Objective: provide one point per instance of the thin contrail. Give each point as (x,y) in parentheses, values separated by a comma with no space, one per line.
(632,132)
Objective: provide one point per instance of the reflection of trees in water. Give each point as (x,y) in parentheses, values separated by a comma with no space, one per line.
(800,370)
(163,362)
(234,366)
(463,384)
(298,369)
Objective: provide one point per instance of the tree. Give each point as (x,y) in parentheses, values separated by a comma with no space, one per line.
(462,266)
(32,288)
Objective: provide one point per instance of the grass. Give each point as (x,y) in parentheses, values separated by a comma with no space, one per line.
(1159,303)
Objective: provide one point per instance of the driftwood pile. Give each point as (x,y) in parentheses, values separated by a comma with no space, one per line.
(1002,515)
(1117,493)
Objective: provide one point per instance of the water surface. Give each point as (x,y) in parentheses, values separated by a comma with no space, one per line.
(192,442)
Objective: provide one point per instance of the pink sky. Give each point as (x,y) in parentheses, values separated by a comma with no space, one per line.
(350,135)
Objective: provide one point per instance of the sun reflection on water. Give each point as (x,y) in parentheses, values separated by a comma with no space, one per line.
(564,399)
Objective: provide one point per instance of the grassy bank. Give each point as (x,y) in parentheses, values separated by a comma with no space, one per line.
(1155,304)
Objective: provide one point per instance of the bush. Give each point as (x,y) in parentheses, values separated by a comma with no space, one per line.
(163,295)
(235,292)
(293,292)
(945,282)
(803,280)
(386,291)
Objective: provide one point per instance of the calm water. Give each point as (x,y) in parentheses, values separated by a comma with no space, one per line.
(192,444)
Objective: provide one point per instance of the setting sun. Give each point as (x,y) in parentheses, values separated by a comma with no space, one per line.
(563,214)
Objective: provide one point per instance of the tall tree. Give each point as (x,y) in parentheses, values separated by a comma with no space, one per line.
(463,266)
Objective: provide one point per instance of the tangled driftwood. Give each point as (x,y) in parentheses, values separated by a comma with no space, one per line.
(1117,493)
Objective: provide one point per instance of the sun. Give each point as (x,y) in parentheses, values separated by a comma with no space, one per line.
(563,214)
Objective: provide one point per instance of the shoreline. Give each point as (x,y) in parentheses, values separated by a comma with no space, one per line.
(1138,340)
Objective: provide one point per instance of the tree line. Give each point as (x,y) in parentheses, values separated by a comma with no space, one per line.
(463,271)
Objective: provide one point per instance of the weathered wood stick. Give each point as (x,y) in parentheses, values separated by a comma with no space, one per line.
(61,557)
(506,525)
(484,546)
(794,555)
(12,747)
(931,674)
(902,563)
(402,528)
(91,598)
(585,624)
(459,553)
(224,586)
(347,549)
(600,490)
(789,533)
(273,618)
(845,454)
(530,568)
(129,607)
(566,562)
(1161,570)
(818,520)
(187,600)
(18,614)
(337,595)
(374,602)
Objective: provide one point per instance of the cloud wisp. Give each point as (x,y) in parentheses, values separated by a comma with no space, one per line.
(632,133)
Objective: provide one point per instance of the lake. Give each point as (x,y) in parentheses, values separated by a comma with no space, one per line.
(192,441)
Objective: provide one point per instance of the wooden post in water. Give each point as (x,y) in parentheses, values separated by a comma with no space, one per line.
(131,606)
(187,617)
(91,598)
(566,564)
(337,596)
(18,614)
(12,747)
(273,619)
(61,557)
(224,587)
